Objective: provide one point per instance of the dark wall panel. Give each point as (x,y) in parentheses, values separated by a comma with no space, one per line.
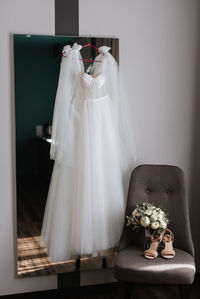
(67,17)
(67,23)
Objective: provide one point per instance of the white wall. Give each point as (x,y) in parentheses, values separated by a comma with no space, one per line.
(21,16)
(159,58)
(158,52)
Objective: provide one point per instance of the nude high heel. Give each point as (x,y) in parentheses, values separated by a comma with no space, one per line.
(152,252)
(168,239)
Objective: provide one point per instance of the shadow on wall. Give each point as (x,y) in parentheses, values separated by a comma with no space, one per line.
(194,194)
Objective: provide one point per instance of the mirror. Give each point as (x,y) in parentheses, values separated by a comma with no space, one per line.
(36,67)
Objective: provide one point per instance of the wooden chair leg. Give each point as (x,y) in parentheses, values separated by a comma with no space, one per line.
(184,291)
(123,290)
(78,264)
(120,290)
(128,290)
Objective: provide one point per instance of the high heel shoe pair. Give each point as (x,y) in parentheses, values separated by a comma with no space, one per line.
(168,252)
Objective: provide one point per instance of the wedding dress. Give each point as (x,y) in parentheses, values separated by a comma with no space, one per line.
(85,206)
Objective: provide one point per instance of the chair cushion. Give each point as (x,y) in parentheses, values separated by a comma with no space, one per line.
(131,265)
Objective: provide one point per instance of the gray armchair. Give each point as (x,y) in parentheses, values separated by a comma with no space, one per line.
(162,184)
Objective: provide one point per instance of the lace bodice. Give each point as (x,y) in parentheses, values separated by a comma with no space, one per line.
(88,86)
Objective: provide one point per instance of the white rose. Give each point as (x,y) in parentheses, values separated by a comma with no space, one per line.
(155,225)
(154,217)
(161,213)
(145,221)
(149,211)
(136,213)
(163,224)
(160,218)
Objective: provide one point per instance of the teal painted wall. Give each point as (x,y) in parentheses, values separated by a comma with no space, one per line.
(36,78)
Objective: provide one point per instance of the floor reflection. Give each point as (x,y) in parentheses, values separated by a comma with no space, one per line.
(33,260)
(32,254)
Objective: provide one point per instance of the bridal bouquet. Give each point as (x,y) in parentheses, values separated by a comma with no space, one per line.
(148,217)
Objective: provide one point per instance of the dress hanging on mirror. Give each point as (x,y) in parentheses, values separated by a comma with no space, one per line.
(93,156)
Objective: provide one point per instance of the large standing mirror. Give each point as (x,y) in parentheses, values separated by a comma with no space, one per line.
(36,67)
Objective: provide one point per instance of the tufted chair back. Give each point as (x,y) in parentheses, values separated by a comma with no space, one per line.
(162,184)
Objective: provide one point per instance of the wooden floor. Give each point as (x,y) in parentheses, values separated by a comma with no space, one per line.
(109,291)
(32,254)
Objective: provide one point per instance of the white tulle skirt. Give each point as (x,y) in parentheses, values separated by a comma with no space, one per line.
(85,207)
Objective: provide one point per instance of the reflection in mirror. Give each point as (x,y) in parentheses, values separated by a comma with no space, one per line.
(37,66)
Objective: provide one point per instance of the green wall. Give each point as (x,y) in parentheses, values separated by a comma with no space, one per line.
(36,76)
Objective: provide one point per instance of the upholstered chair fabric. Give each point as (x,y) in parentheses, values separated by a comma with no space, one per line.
(164,185)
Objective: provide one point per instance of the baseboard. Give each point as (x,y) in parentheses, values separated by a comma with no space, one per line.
(67,292)
(74,291)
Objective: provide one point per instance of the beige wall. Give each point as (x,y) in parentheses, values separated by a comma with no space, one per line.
(159,59)
(21,16)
